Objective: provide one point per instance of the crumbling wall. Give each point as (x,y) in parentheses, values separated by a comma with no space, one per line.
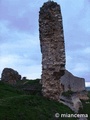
(71,82)
(52,48)
(10,76)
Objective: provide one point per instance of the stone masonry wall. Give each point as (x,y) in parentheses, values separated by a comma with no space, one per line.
(70,82)
(52,48)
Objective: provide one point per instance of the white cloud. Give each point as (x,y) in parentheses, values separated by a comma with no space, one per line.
(19,39)
(31,72)
(87,50)
(87,84)
(21,52)
(9,59)
(26,67)
(81,67)
(3,27)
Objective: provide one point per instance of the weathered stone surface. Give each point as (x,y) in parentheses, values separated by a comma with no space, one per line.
(52,48)
(73,102)
(77,104)
(10,76)
(24,78)
(71,82)
(83,95)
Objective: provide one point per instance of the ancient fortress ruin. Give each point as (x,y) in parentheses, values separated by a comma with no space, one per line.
(52,49)
(72,83)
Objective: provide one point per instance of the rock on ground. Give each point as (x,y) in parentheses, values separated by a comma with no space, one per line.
(10,76)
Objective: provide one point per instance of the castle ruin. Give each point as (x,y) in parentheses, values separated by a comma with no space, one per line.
(52,49)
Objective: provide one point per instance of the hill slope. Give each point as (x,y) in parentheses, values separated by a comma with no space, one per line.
(17,104)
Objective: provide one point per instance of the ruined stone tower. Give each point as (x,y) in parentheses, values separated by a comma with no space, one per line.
(52,48)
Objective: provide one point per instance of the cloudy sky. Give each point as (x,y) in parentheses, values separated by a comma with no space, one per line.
(19,36)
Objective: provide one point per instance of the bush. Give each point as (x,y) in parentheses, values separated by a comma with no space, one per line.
(67,93)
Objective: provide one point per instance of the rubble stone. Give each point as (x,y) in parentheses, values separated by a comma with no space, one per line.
(10,76)
(52,49)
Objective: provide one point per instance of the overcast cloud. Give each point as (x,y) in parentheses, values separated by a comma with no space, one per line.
(19,36)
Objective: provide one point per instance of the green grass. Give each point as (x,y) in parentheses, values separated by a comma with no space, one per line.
(29,86)
(8,91)
(15,104)
(86,107)
(68,93)
(29,107)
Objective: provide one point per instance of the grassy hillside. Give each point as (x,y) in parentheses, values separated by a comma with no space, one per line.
(8,91)
(21,102)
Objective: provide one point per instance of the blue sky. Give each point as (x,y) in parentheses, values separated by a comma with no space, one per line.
(19,36)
